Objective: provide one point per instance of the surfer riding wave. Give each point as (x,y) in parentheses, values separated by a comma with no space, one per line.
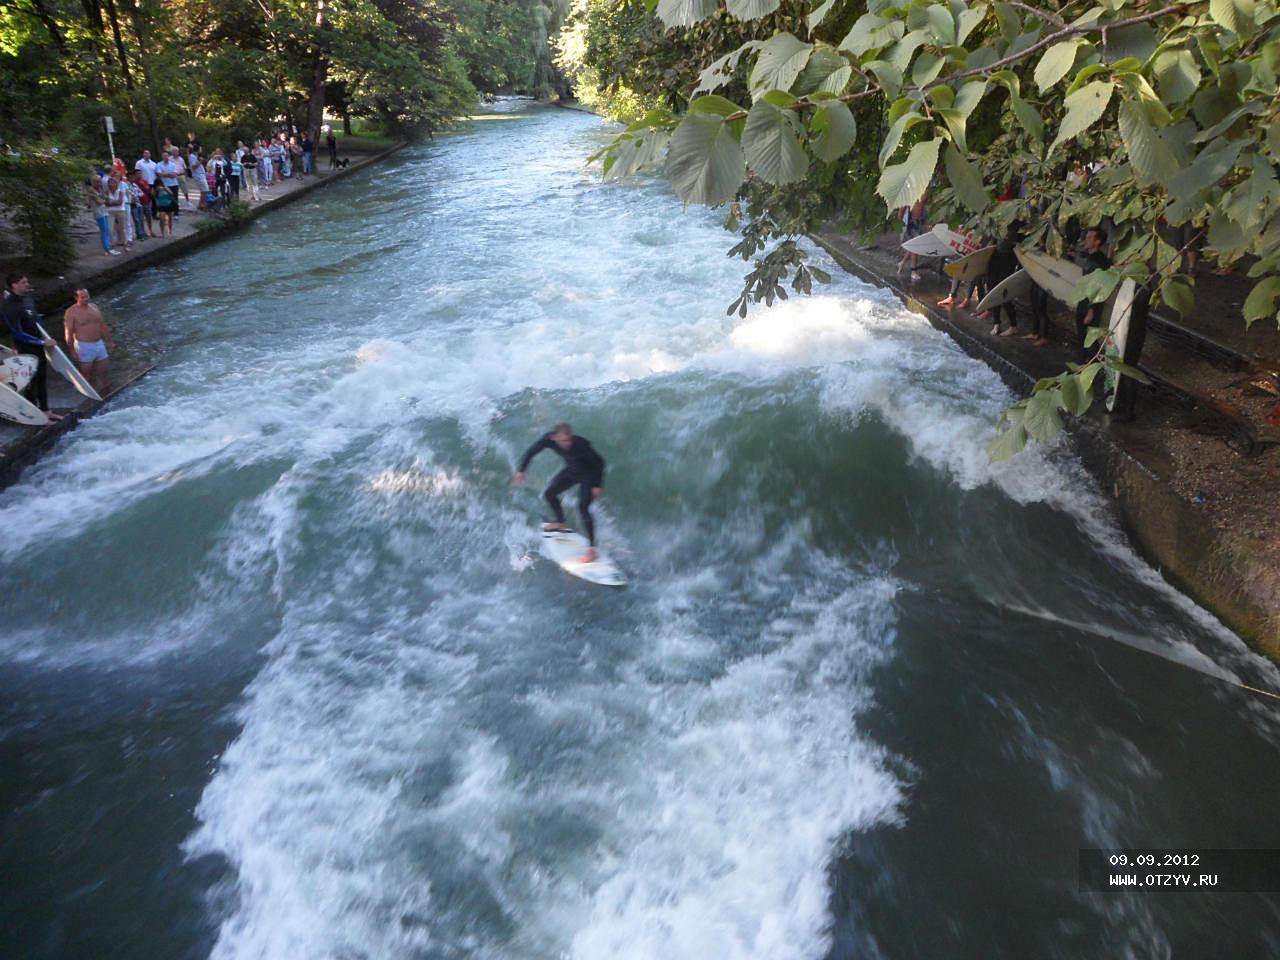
(584,468)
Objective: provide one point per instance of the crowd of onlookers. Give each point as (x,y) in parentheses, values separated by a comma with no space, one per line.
(140,204)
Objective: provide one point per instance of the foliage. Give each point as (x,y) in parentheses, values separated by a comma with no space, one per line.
(40,190)
(1176,103)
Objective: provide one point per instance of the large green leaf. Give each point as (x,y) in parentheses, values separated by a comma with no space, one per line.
(904,183)
(714,103)
(685,13)
(900,53)
(942,24)
(968,20)
(871,32)
(1234,15)
(965,180)
(1177,75)
(833,130)
(1055,63)
(956,124)
(636,153)
(896,131)
(819,14)
(1041,419)
(827,71)
(751,9)
(1008,444)
(1085,107)
(1027,115)
(890,77)
(779,64)
(1213,163)
(772,144)
(1147,152)
(968,97)
(722,69)
(704,162)
(1261,301)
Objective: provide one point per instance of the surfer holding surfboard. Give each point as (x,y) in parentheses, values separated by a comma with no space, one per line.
(584,468)
(24,326)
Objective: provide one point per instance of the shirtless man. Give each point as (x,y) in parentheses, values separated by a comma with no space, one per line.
(88,338)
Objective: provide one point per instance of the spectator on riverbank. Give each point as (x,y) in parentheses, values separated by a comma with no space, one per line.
(140,206)
(147,167)
(169,171)
(117,199)
(1004,264)
(97,204)
(22,321)
(307,148)
(166,208)
(266,166)
(249,175)
(235,175)
(331,143)
(914,219)
(88,339)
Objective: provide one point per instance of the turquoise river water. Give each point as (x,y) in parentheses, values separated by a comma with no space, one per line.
(283,676)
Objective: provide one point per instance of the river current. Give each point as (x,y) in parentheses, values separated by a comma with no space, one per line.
(283,675)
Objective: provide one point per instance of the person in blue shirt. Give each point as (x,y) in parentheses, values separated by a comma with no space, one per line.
(22,322)
(583,468)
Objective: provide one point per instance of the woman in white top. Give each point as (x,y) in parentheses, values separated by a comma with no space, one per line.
(117,198)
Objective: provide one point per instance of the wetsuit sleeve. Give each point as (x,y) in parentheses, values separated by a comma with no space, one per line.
(13,320)
(542,443)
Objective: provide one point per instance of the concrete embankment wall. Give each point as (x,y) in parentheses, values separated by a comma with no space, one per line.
(1165,527)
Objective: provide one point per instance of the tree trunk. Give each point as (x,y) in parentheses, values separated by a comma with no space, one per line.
(135,17)
(319,76)
(98,31)
(124,57)
(51,25)
(346,124)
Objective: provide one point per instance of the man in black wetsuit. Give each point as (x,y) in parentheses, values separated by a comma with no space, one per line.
(583,468)
(22,321)
(1087,314)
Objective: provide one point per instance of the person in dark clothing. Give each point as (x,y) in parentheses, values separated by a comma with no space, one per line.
(22,322)
(1095,258)
(1039,335)
(1004,264)
(583,468)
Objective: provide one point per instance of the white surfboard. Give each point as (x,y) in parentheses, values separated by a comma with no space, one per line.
(928,245)
(1058,277)
(960,244)
(14,406)
(1010,288)
(971,265)
(62,363)
(16,371)
(565,547)
(1120,311)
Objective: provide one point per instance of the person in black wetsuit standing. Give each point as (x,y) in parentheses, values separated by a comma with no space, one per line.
(22,321)
(583,468)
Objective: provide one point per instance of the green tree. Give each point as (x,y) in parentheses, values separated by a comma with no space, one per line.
(1179,101)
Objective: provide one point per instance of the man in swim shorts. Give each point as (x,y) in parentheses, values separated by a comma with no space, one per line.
(584,468)
(88,338)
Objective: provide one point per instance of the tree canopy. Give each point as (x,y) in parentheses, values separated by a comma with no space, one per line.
(160,68)
(800,113)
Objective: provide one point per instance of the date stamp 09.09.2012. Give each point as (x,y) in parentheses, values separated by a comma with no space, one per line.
(1222,871)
